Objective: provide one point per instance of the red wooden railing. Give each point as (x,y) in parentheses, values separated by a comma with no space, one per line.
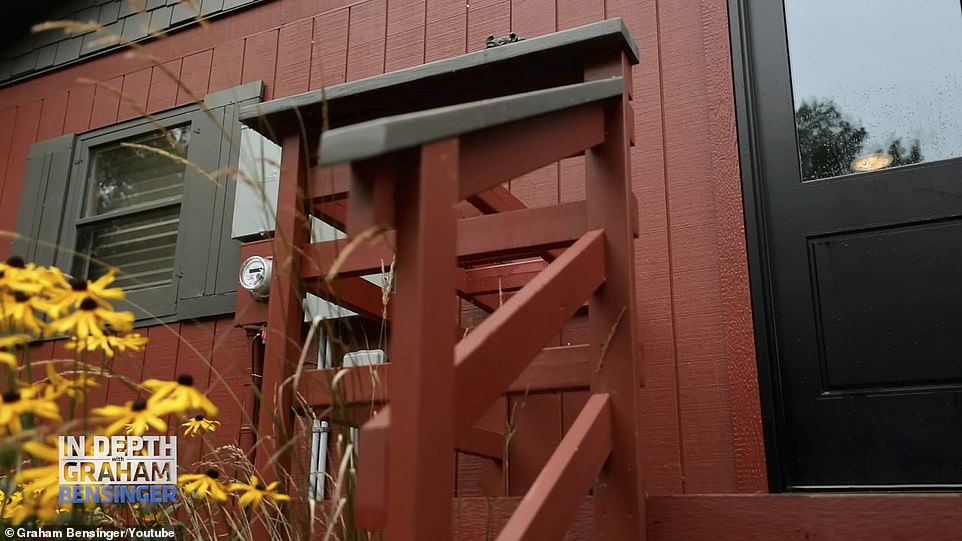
(551,261)
(404,182)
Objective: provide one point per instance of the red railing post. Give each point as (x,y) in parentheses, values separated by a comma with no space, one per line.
(420,476)
(618,496)
(285,315)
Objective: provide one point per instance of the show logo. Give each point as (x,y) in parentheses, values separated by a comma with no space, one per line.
(118,469)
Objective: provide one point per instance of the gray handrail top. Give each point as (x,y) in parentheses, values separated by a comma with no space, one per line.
(390,134)
(607,34)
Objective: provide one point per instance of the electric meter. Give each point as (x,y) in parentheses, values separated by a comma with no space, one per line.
(255,276)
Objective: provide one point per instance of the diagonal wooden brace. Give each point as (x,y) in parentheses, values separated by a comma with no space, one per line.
(559,489)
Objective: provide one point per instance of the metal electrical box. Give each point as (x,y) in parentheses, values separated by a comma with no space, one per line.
(255,200)
(255,209)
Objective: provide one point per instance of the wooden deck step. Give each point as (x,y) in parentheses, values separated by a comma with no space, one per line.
(811,516)
(480,518)
(746,517)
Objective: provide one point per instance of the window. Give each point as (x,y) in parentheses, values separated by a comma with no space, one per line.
(131,210)
(875,83)
(125,196)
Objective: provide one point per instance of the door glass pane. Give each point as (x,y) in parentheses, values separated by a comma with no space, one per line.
(876,83)
(123,176)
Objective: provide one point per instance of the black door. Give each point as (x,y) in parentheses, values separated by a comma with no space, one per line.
(854,110)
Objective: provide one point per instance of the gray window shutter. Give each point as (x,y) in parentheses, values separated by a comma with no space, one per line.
(42,203)
(210,257)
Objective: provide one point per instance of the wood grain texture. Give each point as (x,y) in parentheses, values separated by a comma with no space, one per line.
(226,65)
(329,52)
(157,360)
(163,88)
(534,425)
(79,108)
(661,450)
(498,350)
(365,57)
(698,307)
(194,348)
(133,94)
(482,518)
(194,77)
(572,13)
(294,45)
(106,102)
(52,116)
(487,18)
(25,134)
(530,18)
(446,29)
(803,517)
(571,405)
(260,60)
(571,179)
(551,503)
(750,469)
(406,21)
(538,188)
(612,325)
(7,118)
(229,381)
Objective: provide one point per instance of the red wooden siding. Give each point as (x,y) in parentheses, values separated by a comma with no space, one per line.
(701,429)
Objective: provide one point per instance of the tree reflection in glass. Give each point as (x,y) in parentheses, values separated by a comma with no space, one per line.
(876,83)
(124,176)
(830,145)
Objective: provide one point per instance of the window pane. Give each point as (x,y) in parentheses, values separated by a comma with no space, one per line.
(122,176)
(877,83)
(141,245)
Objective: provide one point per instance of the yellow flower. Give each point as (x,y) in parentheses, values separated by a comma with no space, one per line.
(42,451)
(7,357)
(20,312)
(40,484)
(109,342)
(39,504)
(199,425)
(16,403)
(134,418)
(73,292)
(18,276)
(40,479)
(57,385)
(255,492)
(12,505)
(92,319)
(150,514)
(203,485)
(179,396)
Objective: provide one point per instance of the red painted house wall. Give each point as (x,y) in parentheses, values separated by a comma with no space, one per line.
(701,428)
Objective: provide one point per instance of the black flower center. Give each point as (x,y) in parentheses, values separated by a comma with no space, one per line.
(89,305)
(185,379)
(199,418)
(16,262)
(260,486)
(139,405)
(20,296)
(213,474)
(10,397)
(78,284)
